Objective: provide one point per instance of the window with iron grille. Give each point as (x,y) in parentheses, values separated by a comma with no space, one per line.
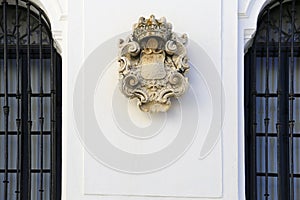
(30,104)
(272,104)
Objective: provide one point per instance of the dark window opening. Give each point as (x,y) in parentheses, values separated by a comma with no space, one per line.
(272,104)
(30,104)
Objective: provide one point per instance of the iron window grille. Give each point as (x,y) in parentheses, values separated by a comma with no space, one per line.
(272,104)
(30,104)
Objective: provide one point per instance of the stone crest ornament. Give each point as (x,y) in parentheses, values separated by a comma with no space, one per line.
(153,64)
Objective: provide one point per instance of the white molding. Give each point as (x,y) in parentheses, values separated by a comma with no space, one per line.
(251,7)
(248,34)
(53,9)
(59,6)
(248,18)
(63,17)
(244,12)
(58,39)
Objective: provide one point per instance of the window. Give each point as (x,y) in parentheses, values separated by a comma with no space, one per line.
(30,105)
(272,104)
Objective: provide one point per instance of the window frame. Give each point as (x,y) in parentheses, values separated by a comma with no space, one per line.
(24,53)
(284,95)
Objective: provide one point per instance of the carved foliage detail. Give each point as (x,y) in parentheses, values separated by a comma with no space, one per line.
(152,64)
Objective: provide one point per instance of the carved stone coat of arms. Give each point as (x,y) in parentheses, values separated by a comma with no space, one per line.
(153,64)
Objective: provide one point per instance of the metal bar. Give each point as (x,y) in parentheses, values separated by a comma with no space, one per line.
(25,173)
(35,171)
(282,120)
(247,108)
(266,119)
(58,117)
(295,135)
(29,91)
(292,98)
(18,97)
(36,94)
(273,45)
(295,95)
(267,95)
(6,106)
(53,124)
(45,133)
(41,119)
(32,133)
(253,167)
(274,175)
(33,47)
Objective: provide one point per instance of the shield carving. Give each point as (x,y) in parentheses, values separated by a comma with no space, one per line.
(152,66)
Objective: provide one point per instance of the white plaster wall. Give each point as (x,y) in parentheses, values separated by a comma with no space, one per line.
(213,26)
(220,27)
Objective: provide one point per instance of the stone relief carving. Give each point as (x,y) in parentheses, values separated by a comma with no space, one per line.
(153,64)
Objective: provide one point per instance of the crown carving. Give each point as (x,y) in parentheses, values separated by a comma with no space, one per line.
(152,27)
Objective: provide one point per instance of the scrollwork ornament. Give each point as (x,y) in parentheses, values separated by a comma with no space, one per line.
(152,64)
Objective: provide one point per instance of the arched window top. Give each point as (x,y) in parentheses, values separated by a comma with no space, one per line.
(17,21)
(268,24)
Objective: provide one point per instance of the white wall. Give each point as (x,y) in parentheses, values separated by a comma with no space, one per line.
(189,176)
(218,31)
